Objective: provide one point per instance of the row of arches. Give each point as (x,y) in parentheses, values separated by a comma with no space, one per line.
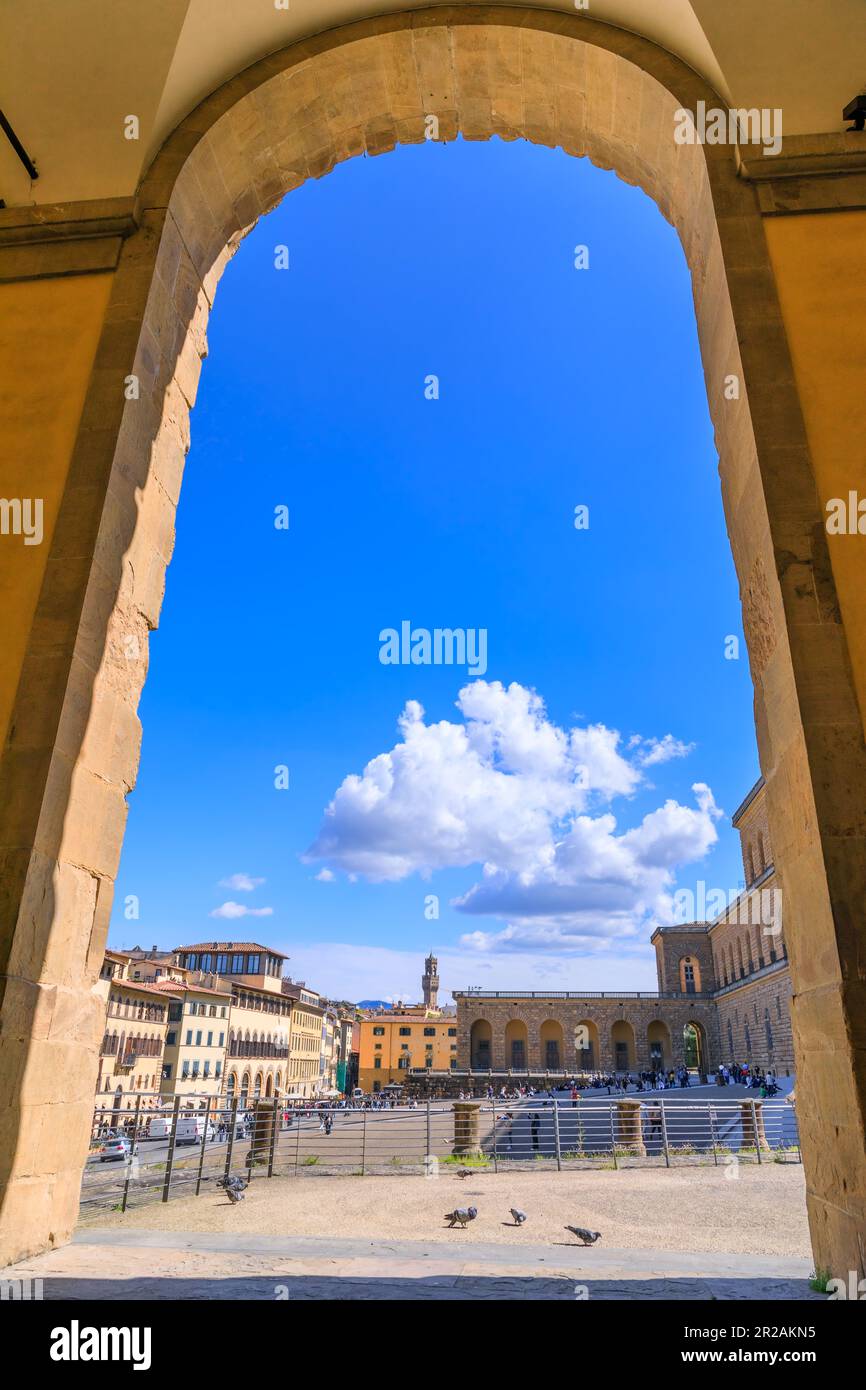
(249,1086)
(585,1047)
(750,951)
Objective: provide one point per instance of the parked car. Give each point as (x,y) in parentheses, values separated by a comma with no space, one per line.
(191,1129)
(115,1151)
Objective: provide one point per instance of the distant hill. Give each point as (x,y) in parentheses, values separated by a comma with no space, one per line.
(374,1004)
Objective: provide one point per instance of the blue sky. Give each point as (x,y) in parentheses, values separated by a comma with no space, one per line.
(558,387)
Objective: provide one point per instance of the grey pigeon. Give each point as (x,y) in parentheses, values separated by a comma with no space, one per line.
(234,1188)
(588,1237)
(464,1172)
(463,1215)
(519,1216)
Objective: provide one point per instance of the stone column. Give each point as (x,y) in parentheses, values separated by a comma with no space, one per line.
(629,1133)
(754,1136)
(466,1128)
(263,1128)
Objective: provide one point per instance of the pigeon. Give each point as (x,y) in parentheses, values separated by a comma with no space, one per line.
(464,1172)
(234,1188)
(588,1237)
(463,1215)
(519,1216)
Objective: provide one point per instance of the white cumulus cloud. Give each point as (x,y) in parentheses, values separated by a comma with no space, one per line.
(509,790)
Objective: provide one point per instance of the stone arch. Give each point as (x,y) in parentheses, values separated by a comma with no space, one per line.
(481,1044)
(516,1045)
(695,1046)
(555,79)
(587,1045)
(269,1086)
(659,1049)
(245,1088)
(623,1045)
(552,1042)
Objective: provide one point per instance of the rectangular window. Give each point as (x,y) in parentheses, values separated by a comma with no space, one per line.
(253,967)
(405,1032)
(189,1037)
(452,1032)
(198,1038)
(429,1032)
(185,1071)
(237,965)
(377,1063)
(210,1039)
(222,965)
(170,1039)
(222,1039)
(378,1032)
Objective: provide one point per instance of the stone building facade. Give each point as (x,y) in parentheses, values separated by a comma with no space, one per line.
(724,993)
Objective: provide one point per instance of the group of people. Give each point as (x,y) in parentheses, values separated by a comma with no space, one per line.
(755,1078)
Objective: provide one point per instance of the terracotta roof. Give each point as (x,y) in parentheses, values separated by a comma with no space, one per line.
(145,987)
(230,946)
(181,985)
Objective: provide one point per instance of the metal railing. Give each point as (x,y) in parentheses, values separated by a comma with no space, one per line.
(191,1144)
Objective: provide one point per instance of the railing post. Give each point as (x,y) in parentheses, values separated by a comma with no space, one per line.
(495,1158)
(297,1122)
(203,1147)
(665,1134)
(612,1133)
(428,1140)
(757,1136)
(712,1119)
(125,1196)
(169,1163)
(233,1124)
(556,1135)
(364,1141)
(273,1140)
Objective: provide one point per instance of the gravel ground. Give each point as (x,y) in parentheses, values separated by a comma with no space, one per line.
(761,1211)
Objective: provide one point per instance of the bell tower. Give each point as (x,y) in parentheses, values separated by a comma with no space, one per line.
(430,982)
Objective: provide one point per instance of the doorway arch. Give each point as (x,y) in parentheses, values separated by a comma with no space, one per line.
(481,1045)
(557,80)
(516,1045)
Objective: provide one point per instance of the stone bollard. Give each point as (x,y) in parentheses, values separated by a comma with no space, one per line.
(629,1126)
(263,1128)
(466,1128)
(752,1121)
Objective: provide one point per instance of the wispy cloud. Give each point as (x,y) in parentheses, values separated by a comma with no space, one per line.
(241,883)
(231,909)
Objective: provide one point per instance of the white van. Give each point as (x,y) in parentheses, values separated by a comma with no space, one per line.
(159,1127)
(191,1129)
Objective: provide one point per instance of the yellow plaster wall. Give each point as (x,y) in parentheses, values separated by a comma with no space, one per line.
(49,330)
(819,260)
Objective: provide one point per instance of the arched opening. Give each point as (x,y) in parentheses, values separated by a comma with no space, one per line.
(552,1045)
(201,245)
(245,1088)
(481,1045)
(694,1047)
(269,1084)
(659,1046)
(622,1045)
(516,1045)
(587,1053)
